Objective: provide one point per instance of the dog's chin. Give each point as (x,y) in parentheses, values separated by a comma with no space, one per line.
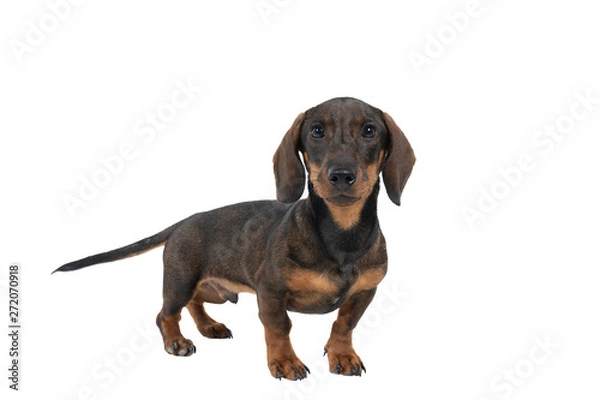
(342,200)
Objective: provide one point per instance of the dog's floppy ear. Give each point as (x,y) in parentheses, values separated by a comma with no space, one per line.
(399,161)
(290,178)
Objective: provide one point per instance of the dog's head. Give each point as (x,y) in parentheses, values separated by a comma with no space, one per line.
(345,144)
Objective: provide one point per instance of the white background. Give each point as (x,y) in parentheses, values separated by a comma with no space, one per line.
(463,307)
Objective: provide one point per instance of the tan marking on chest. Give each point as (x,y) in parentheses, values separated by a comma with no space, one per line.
(310,281)
(367,280)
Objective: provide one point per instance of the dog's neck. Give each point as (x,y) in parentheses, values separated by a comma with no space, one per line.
(346,245)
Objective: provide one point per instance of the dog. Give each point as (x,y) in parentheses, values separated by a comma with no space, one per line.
(314,255)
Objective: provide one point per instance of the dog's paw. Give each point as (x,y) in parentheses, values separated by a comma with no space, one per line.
(344,362)
(181,348)
(289,368)
(216,331)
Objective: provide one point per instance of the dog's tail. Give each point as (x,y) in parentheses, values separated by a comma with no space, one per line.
(131,250)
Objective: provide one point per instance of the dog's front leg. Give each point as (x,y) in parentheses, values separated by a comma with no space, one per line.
(343,359)
(283,362)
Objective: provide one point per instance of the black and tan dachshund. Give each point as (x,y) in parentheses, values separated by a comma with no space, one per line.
(314,255)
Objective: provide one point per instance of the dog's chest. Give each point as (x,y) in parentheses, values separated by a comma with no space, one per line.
(320,292)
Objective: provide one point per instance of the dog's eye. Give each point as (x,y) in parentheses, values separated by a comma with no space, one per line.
(369,131)
(317,131)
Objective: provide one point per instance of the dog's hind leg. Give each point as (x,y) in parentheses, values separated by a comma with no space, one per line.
(174,341)
(178,289)
(208,292)
(168,322)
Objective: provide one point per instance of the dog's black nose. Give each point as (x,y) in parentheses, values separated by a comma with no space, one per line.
(341,178)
